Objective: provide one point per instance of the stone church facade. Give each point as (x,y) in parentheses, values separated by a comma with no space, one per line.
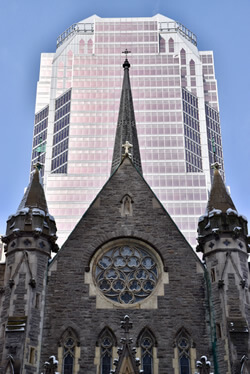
(127,261)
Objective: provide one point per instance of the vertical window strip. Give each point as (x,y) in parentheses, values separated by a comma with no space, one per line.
(147,355)
(68,356)
(106,343)
(184,355)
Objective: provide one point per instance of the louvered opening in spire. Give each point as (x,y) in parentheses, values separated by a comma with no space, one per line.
(126,140)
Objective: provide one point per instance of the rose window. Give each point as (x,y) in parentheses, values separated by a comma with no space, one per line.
(126,273)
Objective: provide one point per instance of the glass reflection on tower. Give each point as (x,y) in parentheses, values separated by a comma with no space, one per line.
(176,108)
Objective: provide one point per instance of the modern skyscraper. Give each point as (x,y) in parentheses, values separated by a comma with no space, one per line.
(176,110)
(123,261)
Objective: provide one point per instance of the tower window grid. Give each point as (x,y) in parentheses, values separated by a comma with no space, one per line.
(61,133)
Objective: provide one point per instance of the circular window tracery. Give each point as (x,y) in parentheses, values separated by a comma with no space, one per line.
(127,273)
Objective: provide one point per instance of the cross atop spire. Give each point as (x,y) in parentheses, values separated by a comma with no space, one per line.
(126,64)
(126,52)
(126,133)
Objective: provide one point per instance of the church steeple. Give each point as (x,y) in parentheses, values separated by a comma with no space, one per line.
(34,196)
(219,197)
(32,215)
(126,126)
(223,240)
(221,215)
(30,238)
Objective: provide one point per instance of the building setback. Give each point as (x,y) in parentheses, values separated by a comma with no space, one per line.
(125,260)
(176,112)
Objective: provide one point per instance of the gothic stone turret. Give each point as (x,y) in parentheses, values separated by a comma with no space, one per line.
(30,238)
(223,240)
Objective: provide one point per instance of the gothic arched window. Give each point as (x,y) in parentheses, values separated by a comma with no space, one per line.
(184,360)
(68,344)
(90,46)
(171,45)
(106,342)
(192,67)
(183,345)
(162,45)
(147,342)
(68,356)
(183,57)
(81,46)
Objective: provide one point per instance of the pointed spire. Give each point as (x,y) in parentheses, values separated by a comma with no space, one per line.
(219,197)
(126,126)
(34,196)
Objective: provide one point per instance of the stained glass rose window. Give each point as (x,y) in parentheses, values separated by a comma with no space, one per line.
(127,273)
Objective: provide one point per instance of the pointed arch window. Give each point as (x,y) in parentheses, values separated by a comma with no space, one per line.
(162,45)
(184,359)
(147,342)
(106,342)
(183,344)
(192,67)
(68,356)
(171,45)
(81,46)
(68,344)
(183,57)
(90,46)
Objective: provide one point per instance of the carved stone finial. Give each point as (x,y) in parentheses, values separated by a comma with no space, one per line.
(126,324)
(127,147)
(216,165)
(203,365)
(127,354)
(50,366)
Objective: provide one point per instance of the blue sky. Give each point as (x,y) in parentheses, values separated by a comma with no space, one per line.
(30,27)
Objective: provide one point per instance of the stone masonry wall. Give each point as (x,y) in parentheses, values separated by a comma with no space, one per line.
(68,300)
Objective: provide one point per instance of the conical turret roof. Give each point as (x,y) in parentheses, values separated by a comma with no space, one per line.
(126,127)
(34,196)
(219,197)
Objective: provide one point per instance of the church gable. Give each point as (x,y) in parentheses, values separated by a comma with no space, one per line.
(125,255)
(127,207)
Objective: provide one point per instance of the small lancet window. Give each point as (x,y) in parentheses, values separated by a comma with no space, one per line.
(192,67)
(213,275)
(68,356)
(147,355)
(146,341)
(183,347)
(81,46)
(90,46)
(162,45)
(106,355)
(218,331)
(68,342)
(183,57)
(171,45)
(183,344)
(106,342)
